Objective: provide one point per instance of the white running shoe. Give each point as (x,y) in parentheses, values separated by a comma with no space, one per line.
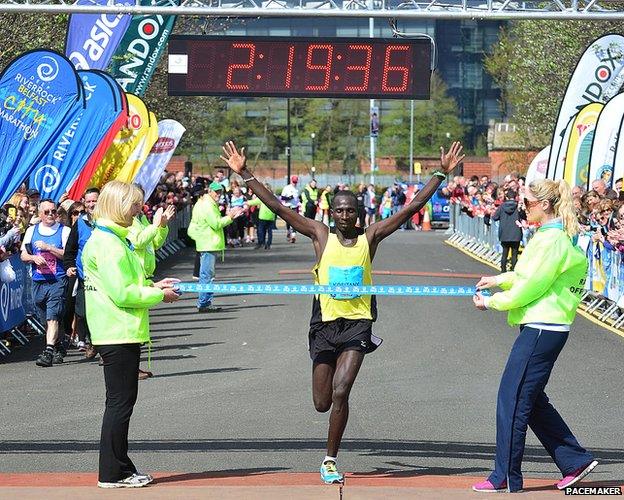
(134,481)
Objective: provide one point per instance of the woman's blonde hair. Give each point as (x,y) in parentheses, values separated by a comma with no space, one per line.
(115,202)
(559,195)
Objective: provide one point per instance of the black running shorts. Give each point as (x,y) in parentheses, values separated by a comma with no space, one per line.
(329,339)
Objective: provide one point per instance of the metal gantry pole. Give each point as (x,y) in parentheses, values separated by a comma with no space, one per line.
(601,10)
(411,154)
(371,34)
(288,144)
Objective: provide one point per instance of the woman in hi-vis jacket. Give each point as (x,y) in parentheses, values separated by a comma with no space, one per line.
(541,296)
(118,297)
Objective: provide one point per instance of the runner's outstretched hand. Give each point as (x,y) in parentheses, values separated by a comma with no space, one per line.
(449,161)
(235,160)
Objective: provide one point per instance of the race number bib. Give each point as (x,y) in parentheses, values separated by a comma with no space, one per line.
(49,268)
(345,276)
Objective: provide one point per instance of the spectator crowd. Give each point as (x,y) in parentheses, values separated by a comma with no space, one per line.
(600,210)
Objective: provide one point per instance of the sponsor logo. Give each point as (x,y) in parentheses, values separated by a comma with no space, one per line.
(142,54)
(47,71)
(4,301)
(99,38)
(89,88)
(47,178)
(605,173)
(607,75)
(163,145)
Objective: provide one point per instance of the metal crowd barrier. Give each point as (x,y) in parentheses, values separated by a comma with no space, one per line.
(474,236)
(16,307)
(174,243)
(604,297)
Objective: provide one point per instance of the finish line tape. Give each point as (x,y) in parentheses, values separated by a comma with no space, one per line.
(271,289)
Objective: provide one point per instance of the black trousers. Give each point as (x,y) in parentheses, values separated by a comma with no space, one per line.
(310,210)
(81,312)
(121,370)
(196,265)
(70,303)
(513,246)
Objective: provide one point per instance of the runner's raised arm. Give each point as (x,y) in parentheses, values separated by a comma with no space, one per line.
(384,228)
(237,162)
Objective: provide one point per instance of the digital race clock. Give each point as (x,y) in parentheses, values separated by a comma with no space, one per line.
(299,67)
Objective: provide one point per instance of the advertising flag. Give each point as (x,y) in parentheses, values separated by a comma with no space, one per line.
(169,134)
(605,141)
(141,48)
(579,148)
(125,142)
(62,163)
(140,153)
(40,94)
(618,160)
(557,173)
(597,78)
(537,168)
(83,180)
(93,38)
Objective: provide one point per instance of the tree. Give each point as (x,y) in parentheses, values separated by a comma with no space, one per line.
(436,123)
(533,63)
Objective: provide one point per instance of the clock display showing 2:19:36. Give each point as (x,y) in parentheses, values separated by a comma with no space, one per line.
(307,67)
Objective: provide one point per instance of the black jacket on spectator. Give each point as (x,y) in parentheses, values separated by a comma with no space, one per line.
(508,216)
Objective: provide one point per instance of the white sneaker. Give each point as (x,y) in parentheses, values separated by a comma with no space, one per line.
(148,477)
(134,481)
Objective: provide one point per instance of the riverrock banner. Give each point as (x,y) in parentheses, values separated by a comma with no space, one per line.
(93,38)
(141,48)
(83,181)
(597,78)
(41,94)
(63,163)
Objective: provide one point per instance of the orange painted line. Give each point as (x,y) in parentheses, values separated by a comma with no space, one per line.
(74,479)
(398,273)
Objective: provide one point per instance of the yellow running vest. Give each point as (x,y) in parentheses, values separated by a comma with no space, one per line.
(340,265)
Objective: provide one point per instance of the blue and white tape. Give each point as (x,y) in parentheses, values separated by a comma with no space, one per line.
(295,289)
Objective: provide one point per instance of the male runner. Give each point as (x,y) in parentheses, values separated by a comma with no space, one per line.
(341,326)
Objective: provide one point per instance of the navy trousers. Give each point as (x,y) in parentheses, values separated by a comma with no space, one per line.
(522,402)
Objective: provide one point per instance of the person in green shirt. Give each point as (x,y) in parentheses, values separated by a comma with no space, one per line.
(146,239)
(266,220)
(118,297)
(541,296)
(310,199)
(206,228)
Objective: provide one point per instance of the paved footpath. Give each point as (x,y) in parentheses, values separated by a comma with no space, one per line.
(229,415)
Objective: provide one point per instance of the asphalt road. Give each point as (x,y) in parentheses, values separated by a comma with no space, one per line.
(232,389)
